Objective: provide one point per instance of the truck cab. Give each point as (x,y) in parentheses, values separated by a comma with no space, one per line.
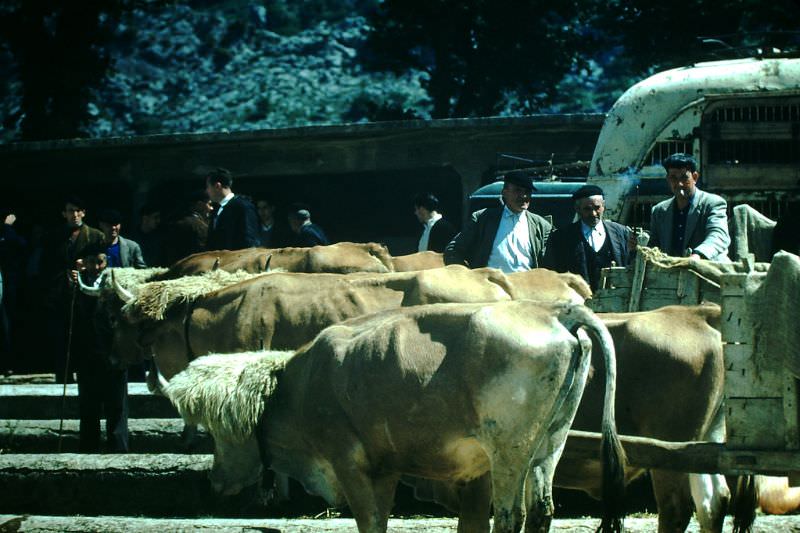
(739,118)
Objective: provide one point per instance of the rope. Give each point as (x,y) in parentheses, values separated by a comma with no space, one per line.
(66,366)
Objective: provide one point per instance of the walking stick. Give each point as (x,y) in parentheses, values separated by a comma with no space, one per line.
(66,366)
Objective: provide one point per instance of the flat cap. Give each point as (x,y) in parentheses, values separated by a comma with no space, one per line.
(109,216)
(586,191)
(520,178)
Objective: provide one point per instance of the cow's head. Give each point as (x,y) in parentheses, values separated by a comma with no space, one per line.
(237,465)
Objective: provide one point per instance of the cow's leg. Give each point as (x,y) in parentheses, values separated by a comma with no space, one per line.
(710,492)
(711,496)
(673,499)
(370,498)
(508,480)
(539,507)
(475,505)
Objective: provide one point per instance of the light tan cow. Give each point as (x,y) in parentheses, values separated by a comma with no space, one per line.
(670,373)
(445,391)
(418,261)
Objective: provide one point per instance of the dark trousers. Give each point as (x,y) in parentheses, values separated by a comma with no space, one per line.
(103,390)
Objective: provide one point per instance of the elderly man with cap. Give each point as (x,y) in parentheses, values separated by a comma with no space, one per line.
(591,243)
(692,223)
(510,237)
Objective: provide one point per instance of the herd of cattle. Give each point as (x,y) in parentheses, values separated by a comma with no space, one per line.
(351,370)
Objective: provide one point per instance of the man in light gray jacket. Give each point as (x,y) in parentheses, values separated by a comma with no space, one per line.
(121,252)
(692,223)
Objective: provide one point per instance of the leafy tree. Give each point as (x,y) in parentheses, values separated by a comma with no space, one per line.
(478,51)
(656,35)
(60,56)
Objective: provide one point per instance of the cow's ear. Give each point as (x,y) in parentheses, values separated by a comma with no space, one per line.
(216,265)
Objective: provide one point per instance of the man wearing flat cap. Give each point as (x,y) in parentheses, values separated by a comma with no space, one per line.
(507,237)
(591,243)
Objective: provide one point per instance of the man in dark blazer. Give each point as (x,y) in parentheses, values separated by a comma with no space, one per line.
(306,233)
(436,231)
(591,243)
(692,222)
(507,237)
(234,223)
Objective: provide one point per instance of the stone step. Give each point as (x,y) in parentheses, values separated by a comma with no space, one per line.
(44,402)
(154,485)
(147,435)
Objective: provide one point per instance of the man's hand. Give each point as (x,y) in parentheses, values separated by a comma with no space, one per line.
(10,219)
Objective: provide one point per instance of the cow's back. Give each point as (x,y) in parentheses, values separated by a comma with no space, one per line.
(421,385)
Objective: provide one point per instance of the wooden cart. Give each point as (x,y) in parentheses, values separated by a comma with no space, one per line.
(760,394)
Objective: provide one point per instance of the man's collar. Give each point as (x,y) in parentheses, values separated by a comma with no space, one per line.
(586,228)
(225,200)
(509,213)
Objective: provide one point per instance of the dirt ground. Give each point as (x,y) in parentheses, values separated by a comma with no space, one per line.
(116,524)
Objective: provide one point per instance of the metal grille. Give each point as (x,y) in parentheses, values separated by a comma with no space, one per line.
(663,149)
(756,113)
(748,152)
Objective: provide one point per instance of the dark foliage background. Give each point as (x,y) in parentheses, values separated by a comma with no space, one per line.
(119,67)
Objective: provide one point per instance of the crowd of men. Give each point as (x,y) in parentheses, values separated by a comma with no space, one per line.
(509,237)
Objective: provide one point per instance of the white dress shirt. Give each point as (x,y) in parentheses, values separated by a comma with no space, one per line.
(511,250)
(595,236)
(426,233)
(222,205)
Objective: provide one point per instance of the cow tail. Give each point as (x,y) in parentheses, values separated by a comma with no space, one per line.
(612,453)
(744,503)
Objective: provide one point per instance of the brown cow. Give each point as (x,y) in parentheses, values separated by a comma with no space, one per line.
(670,374)
(446,391)
(341,258)
(283,310)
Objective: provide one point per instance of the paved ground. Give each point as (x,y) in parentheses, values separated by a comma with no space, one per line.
(115,524)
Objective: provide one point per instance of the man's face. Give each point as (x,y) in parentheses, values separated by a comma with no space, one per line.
(111,231)
(214,191)
(682,182)
(202,208)
(151,221)
(516,198)
(422,214)
(73,215)
(590,210)
(265,211)
(95,263)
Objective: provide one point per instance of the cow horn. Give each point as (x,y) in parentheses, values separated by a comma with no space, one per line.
(124,294)
(216,265)
(93,290)
(266,263)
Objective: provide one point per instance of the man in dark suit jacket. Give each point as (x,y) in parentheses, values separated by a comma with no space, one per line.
(234,223)
(510,238)
(692,220)
(436,231)
(591,243)
(307,233)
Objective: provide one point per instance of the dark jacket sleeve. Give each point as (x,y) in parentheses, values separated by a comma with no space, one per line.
(441,234)
(462,247)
